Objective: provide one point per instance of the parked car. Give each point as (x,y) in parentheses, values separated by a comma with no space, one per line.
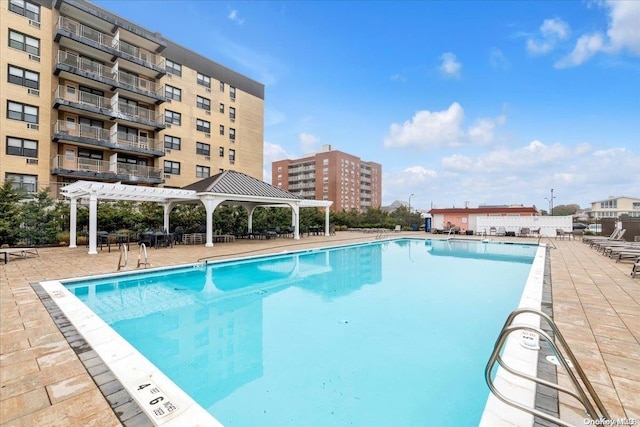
(579,225)
(594,228)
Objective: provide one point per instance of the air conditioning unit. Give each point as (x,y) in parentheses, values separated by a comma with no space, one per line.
(207,135)
(208,89)
(167,151)
(233,99)
(168,100)
(143,84)
(170,75)
(167,176)
(207,158)
(35,58)
(232,162)
(232,140)
(34,24)
(167,125)
(33,126)
(207,112)
(32,161)
(233,120)
(35,92)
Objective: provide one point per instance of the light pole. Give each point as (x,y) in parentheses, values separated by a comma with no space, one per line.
(410,202)
(550,202)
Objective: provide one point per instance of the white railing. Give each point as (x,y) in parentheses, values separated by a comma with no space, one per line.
(102,166)
(137,141)
(141,54)
(140,112)
(83,98)
(83,31)
(82,131)
(136,82)
(84,64)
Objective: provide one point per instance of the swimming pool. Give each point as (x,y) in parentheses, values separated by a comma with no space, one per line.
(385,333)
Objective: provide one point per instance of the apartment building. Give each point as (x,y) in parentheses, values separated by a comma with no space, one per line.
(614,207)
(331,175)
(86,94)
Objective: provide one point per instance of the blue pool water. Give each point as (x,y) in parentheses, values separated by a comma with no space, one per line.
(392,333)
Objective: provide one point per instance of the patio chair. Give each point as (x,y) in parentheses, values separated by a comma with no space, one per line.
(398,228)
(636,268)
(501,231)
(332,229)
(524,232)
(492,231)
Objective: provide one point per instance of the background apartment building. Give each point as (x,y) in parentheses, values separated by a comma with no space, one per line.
(86,94)
(331,175)
(614,207)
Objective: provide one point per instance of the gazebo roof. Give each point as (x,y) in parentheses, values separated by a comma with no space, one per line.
(237,183)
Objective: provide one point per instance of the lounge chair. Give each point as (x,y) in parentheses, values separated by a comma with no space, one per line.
(636,268)
(501,231)
(397,229)
(618,237)
(18,252)
(588,239)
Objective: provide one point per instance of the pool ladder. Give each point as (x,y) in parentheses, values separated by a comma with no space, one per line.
(565,360)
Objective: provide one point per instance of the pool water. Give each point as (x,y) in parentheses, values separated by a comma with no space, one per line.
(392,333)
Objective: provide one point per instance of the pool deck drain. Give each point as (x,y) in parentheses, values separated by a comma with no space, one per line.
(45,382)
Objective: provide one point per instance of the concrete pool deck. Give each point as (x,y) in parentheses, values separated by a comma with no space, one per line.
(43,382)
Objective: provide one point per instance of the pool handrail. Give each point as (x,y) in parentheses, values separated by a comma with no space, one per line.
(581,395)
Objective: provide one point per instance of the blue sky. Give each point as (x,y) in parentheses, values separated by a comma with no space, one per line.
(461,102)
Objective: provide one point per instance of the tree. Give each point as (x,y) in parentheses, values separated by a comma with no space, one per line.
(9,209)
(561,210)
(38,220)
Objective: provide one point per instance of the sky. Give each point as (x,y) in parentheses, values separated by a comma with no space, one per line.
(462,103)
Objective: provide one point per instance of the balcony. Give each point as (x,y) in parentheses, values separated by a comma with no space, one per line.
(144,61)
(72,63)
(71,97)
(104,138)
(140,86)
(139,115)
(102,170)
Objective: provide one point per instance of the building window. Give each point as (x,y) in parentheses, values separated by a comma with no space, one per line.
(171,92)
(325,162)
(325,180)
(25,8)
(203,103)
(232,92)
(232,113)
(609,204)
(22,147)
(636,205)
(221,151)
(173,67)
(279,168)
(22,183)
(204,80)
(172,142)
(172,167)
(85,153)
(22,112)
(172,118)
(23,77)
(203,126)
(221,86)
(203,171)
(24,43)
(325,171)
(221,130)
(222,108)
(232,156)
(232,134)
(202,148)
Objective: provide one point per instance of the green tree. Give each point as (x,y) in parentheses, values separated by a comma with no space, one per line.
(561,210)
(38,220)
(9,210)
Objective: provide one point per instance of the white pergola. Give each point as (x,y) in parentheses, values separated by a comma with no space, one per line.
(210,196)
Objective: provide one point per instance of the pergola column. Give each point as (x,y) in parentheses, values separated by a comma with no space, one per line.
(326,220)
(295,213)
(210,204)
(73,212)
(93,223)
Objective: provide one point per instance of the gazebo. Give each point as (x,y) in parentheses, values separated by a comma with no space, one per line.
(228,187)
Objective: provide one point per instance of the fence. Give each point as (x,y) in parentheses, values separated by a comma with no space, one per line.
(547,224)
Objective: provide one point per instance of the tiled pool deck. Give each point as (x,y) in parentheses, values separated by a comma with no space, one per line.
(44,383)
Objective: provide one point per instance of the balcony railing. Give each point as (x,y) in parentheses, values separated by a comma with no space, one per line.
(84,64)
(84,98)
(141,54)
(81,131)
(80,164)
(140,112)
(137,83)
(85,32)
(137,141)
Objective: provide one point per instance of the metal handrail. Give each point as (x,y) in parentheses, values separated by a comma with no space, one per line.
(579,393)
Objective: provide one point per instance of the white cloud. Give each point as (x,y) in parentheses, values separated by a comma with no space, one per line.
(551,32)
(429,129)
(272,153)
(624,26)
(586,47)
(398,78)
(497,59)
(483,130)
(233,15)
(450,67)
(309,143)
